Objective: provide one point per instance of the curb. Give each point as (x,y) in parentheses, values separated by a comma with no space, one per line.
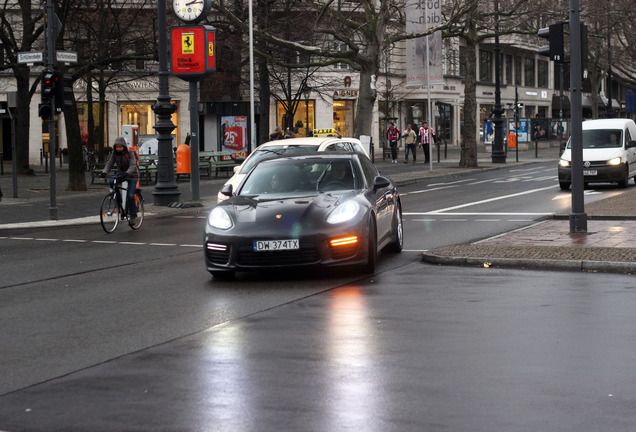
(533,264)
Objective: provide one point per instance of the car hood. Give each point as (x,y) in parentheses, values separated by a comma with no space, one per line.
(284,210)
(596,154)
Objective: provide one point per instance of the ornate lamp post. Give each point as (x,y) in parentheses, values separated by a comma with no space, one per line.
(166,190)
(498,154)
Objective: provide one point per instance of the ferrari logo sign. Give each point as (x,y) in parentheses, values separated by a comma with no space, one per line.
(187,43)
(192,52)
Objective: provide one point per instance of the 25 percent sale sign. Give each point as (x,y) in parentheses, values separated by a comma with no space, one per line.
(192,52)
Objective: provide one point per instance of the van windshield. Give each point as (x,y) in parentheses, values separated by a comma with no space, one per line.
(601,138)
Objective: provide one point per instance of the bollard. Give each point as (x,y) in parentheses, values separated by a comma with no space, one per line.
(536,148)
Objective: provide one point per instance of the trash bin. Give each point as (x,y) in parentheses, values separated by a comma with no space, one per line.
(183,159)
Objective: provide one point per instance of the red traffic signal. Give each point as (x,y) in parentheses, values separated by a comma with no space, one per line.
(49,83)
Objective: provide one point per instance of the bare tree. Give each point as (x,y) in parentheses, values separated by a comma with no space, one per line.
(21,25)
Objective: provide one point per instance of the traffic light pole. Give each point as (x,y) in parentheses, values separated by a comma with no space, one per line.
(578,217)
(50,66)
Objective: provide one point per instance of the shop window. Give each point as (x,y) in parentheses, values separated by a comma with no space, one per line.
(83,113)
(343,112)
(142,115)
(303,118)
(508,66)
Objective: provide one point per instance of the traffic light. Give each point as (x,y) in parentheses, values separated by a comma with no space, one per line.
(554,34)
(63,92)
(49,81)
(44,111)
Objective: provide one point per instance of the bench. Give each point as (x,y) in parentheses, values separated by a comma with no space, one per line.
(148,167)
(222,161)
(96,171)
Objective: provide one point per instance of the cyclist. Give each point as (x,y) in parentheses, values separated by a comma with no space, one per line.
(127,168)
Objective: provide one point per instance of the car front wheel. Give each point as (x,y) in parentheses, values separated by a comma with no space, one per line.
(398,231)
(372,250)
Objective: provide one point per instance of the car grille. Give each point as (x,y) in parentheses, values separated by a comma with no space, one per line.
(594,164)
(217,254)
(307,254)
(342,252)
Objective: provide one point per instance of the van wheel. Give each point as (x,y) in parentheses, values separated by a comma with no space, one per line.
(564,185)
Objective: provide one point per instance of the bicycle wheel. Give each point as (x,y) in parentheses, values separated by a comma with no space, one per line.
(139,200)
(109,214)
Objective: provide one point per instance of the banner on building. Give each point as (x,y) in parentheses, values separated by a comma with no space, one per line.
(421,15)
(234,130)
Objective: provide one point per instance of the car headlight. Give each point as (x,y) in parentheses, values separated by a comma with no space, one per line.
(615,161)
(564,163)
(219,218)
(344,212)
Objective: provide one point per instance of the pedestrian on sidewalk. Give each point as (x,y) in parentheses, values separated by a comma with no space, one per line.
(393,135)
(410,137)
(426,136)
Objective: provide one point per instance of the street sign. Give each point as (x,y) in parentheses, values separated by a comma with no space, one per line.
(66,56)
(31,57)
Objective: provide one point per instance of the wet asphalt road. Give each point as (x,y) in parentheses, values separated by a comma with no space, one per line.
(419,348)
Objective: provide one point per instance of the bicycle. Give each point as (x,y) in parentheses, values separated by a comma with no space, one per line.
(113,208)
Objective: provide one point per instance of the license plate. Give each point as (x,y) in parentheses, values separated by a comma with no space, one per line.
(275,245)
(590,172)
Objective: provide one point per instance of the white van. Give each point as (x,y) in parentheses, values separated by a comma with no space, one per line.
(609,153)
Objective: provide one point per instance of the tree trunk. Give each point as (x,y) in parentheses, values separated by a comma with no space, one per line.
(76,177)
(23,121)
(366,101)
(468,156)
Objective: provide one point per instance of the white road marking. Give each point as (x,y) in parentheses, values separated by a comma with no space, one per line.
(476,214)
(75,241)
(47,239)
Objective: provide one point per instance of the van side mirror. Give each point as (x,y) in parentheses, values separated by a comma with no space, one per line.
(227,190)
(630,144)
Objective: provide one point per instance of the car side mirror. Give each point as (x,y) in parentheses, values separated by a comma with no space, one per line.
(380,182)
(237,168)
(227,190)
(630,144)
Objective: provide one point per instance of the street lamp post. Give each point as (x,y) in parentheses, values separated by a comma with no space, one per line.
(166,190)
(498,154)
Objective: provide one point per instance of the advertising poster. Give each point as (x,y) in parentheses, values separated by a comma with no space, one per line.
(523,129)
(234,130)
(421,16)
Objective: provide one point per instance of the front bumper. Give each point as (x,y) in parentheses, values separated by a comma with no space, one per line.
(604,174)
(236,253)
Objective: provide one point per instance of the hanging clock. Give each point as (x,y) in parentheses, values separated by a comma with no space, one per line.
(191,11)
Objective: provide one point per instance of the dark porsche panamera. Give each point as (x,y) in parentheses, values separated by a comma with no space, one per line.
(319,210)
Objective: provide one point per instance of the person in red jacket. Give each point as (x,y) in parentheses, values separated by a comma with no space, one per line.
(393,135)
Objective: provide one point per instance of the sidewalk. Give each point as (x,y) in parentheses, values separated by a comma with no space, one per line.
(609,245)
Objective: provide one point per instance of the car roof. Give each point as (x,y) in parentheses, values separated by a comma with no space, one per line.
(617,123)
(307,141)
(322,155)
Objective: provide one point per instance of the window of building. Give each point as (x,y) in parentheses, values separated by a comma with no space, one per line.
(83,114)
(528,72)
(462,61)
(485,66)
(142,115)
(517,71)
(508,69)
(340,46)
(542,73)
(303,119)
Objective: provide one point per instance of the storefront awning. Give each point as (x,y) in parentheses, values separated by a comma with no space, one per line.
(586,102)
(615,103)
(556,101)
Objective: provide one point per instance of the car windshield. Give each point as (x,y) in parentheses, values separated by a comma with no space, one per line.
(272,152)
(601,138)
(303,176)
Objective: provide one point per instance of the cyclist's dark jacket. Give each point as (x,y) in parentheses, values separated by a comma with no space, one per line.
(126,163)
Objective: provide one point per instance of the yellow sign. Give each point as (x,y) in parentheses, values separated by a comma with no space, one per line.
(211,49)
(187,43)
(326,132)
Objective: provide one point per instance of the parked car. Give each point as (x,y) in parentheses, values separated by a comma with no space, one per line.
(609,153)
(325,209)
(292,146)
